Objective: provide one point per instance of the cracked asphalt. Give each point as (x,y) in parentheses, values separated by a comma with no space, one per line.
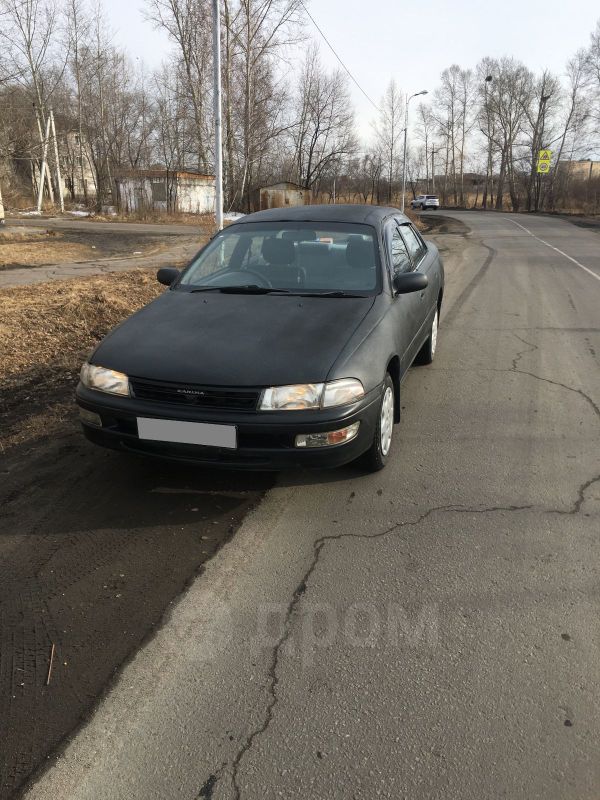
(431,631)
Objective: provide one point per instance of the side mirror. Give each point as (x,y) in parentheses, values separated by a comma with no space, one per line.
(166,275)
(408,282)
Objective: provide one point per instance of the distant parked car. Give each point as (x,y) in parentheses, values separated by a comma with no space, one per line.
(284,342)
(425,201)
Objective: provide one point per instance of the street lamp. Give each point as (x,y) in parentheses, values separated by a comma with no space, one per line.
(405,135)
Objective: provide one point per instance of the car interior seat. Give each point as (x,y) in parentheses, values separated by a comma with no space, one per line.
(281,268)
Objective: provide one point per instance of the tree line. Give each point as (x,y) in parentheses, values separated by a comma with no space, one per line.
(285,115)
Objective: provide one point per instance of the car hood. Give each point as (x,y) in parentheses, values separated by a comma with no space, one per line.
(233,340)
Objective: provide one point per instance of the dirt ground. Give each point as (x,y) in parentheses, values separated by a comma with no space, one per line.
(34,247)
(94,545)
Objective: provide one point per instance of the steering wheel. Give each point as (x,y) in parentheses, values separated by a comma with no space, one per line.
(241,275)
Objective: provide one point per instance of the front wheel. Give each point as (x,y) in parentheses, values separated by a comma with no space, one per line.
(377,455)
(427,352)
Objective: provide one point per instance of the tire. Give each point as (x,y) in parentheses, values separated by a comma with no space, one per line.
(377,455)
(423,207)
(427,353)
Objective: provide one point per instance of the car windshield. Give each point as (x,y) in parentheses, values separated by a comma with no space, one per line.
(293,257)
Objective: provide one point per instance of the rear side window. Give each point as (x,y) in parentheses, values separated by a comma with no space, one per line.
(416,246)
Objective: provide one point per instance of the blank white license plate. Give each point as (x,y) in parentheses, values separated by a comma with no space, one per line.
(182,432)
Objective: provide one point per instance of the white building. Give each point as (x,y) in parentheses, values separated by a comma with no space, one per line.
(164,190)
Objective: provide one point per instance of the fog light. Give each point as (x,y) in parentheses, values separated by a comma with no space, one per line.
(327,438)
(90,417)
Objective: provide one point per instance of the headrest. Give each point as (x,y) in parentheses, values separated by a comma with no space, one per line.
(314,248)
(300,235)
(278,251)
(359,253)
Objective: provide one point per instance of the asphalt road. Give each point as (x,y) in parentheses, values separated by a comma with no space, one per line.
(78,224)
(183,241)
(432,631)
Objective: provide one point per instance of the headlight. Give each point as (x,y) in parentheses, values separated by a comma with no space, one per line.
(342,392)
(292,398)
(104,380)
(311,395)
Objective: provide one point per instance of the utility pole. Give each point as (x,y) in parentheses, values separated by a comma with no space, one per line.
(44,167)
(58,175)
(405,136)
(42,140)
(217,113)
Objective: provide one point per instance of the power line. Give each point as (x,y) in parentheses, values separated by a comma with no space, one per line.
(330,46)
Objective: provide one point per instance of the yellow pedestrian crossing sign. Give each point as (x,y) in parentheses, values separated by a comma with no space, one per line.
(544,159)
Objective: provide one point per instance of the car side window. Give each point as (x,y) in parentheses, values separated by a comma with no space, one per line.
(416,246)
(399,258)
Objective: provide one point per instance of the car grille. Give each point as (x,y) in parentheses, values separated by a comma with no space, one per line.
(223,398)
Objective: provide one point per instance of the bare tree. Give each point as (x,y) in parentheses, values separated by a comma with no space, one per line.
(29,39)
(425,131)
(188,23)
(389,131)
(323,134)
(78,29)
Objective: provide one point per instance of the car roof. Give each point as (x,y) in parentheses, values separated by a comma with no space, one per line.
(366,214)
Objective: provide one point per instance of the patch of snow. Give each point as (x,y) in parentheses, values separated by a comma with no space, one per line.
(229,216)
(30,213)
(79,213)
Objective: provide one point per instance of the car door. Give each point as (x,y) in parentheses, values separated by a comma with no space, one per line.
(423,260)
(406,308)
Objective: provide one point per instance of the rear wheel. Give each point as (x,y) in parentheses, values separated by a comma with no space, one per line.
(427,352)
(377,455)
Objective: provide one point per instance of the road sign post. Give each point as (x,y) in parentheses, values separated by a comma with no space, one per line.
(544,161)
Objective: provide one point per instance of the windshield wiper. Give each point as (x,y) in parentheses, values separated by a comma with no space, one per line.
(335,293)
(253,288)
(250,288)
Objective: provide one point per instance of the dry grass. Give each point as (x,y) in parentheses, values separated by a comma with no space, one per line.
(204,221)
(31,246)
(39,253)
(46,331)
(415,219)
(53,323)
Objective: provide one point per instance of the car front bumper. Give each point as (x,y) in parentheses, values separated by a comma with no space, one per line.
(266,440)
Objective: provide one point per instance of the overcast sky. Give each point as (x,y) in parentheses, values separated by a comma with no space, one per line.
(410,40)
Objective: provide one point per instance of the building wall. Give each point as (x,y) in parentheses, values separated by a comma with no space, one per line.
(71,169)
(582,170)
(195,195)
(282,195)
(192,195)
(135,194)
